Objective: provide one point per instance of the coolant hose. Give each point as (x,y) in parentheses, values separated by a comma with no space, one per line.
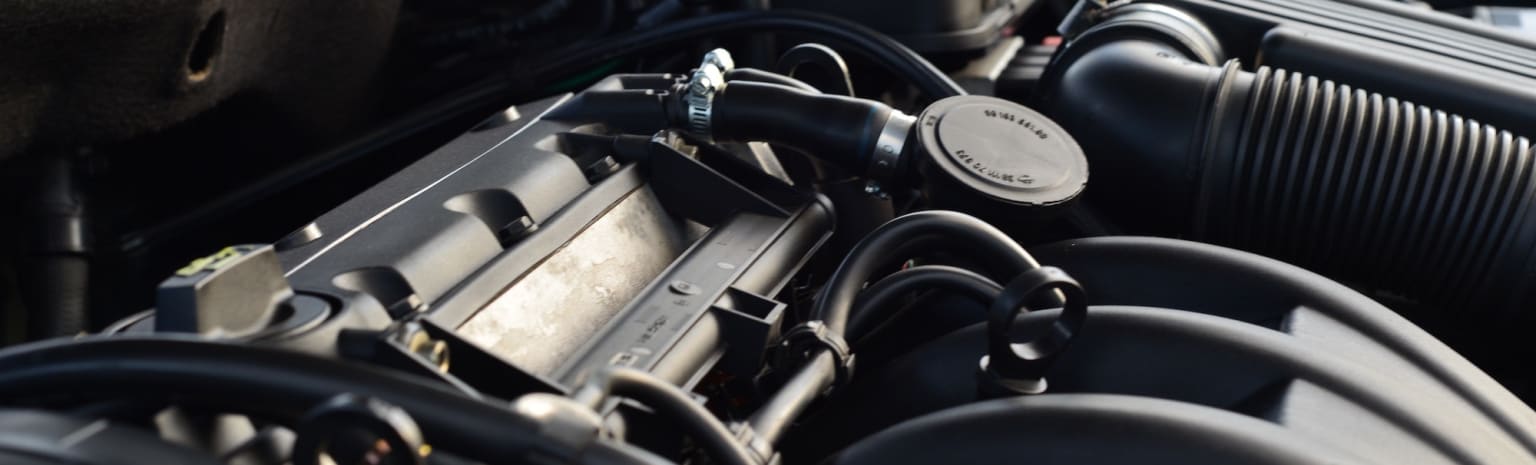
(766,107)
(1360,186)
(840,130)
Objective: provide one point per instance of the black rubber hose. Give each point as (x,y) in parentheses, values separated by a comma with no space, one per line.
(883,50)
(869,311)
(843,130)
(917,234)
(273,383)
(891,243)
(671,403)
(637,111)
(756,106)
(757,75)
(770,422)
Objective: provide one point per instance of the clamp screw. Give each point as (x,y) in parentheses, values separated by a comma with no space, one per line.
(720,58)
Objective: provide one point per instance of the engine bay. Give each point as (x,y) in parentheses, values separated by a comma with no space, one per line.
(993,231)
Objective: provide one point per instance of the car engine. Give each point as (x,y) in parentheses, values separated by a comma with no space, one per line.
(743,233)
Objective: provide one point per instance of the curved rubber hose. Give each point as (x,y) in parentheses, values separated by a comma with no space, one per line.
(874,303)
(757,75)
(887,245)
(912,234)
(670,402)
(844,130)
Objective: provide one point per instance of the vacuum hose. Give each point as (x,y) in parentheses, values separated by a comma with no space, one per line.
(1354,184)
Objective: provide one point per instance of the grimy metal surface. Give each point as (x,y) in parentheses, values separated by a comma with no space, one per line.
(547,315)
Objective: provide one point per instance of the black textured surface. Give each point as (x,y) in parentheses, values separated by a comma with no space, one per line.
(1088,429)
(1398,197)
(1354,183)
(84,72)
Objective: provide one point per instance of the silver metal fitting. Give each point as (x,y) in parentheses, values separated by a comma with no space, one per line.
(706,81)
(702,86)
(700,97)
(888,147)
(565,423)
(721,58)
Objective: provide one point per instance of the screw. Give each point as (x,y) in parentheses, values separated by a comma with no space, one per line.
(684,288)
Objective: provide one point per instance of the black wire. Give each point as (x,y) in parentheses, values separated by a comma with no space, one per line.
(672,403)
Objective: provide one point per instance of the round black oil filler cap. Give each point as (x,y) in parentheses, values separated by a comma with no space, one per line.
(1003,150)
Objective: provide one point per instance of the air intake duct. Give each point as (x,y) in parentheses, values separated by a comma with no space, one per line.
(1384,193)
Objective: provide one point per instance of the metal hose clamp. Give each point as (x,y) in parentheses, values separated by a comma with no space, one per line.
(707,81)
(886,155)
